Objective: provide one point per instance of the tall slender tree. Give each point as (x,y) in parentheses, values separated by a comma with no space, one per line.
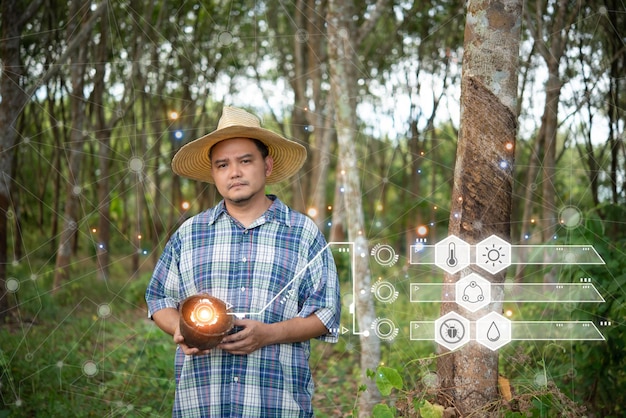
(13,18)
(483,182)
(344,40)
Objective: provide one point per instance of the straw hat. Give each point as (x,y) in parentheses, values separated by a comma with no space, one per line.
(192,160)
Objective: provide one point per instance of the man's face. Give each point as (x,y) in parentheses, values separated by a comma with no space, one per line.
(239,170)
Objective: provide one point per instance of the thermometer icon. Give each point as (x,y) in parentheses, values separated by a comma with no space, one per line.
(451,261)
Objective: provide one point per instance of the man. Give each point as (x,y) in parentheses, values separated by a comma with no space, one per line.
(270,263)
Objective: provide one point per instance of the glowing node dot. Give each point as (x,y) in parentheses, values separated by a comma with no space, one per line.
(504,164)
(185,205)
(90,368)
(77,190)
(94,230)
(329,207)
(173,115)
(508,313)
(135,164)
(104,310)
(509,146)
(570,217)
(431,380)
(18,402)
(312,212)
(541,380)
(59,364)
(422,230)
(12,285)
(225,38)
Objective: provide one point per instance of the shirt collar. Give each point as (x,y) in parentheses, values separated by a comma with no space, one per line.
(278,211)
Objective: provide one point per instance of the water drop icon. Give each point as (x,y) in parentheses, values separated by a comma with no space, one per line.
(493,333)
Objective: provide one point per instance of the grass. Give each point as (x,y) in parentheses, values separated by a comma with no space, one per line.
(90,351)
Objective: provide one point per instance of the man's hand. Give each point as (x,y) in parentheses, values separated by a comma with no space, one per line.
(256,335)
(168,320)
(253,336)
(190,351)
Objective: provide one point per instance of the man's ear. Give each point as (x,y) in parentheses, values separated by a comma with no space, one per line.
(269,165)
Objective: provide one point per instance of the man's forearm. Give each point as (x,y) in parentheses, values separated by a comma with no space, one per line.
(167,319)
(297,330)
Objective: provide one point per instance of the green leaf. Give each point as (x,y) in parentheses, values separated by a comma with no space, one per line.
(431,411)
(388,378)
(382,411)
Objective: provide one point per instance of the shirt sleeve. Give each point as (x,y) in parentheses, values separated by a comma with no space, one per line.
(323,299)
(162,291)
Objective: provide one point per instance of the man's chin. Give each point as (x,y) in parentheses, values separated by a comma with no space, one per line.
(237,198)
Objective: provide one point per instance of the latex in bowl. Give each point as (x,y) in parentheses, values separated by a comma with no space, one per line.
(204,320)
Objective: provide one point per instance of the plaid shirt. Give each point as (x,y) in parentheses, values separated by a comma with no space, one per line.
(276,269)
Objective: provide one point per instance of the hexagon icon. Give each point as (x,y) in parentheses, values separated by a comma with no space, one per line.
(452,254)
(493,254)
(473,292)
(493,331)
(452,330)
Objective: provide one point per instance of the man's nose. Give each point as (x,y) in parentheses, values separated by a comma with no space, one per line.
(235,170)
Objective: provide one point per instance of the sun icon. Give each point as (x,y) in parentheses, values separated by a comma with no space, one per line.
(493,255)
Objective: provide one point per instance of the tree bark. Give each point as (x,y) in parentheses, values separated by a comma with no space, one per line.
(343,90)
(483,182)
(551,45)
(77,138)
(14,17)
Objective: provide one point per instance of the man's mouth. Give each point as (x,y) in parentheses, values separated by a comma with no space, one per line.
(235,185)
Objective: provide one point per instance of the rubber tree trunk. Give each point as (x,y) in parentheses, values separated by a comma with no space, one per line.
(483,182)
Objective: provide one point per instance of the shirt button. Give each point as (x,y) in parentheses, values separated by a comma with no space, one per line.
(243,289)
(236,379)
(245,231)
(244,259)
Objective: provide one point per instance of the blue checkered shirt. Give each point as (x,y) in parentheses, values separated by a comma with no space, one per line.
(278,268)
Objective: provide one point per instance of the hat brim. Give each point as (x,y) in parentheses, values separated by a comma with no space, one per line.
(192,160)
